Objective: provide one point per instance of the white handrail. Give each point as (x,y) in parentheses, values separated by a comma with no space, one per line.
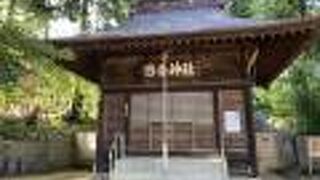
(117,149)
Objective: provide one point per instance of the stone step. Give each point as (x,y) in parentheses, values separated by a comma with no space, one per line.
(177,168)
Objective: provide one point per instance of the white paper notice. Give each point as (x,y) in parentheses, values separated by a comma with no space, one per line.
(232,121)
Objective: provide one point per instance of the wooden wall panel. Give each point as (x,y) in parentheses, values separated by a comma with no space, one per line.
(181,137)
(235,143)
(204,137)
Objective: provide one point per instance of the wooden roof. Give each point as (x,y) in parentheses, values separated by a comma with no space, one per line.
(173,22)
(279,41)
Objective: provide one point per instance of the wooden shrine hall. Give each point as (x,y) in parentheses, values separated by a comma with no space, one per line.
(181,73)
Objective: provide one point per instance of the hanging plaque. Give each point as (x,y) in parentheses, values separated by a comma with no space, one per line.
(181,70)
(172,69)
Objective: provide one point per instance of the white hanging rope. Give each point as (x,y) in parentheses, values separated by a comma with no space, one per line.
(165,145)
(224,163)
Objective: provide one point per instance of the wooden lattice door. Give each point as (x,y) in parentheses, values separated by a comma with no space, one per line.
(190,126)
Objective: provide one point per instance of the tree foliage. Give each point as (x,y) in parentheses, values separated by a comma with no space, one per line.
(91,14)
(32,87)
(305,84)
(269,9)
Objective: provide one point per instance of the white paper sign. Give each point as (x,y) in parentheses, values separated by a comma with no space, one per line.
(232,121)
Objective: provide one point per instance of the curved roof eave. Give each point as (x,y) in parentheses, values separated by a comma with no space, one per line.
(275,63)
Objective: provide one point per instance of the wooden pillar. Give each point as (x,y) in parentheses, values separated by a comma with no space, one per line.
(110,123)
(216,117)
(102,152)
(250,124)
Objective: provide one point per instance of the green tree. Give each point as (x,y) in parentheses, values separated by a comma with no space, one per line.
(268,9)
(305,85)
(30,81)
(106,12)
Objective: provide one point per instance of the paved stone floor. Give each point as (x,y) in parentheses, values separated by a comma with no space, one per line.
(82,175)
(154,169)
(177,168)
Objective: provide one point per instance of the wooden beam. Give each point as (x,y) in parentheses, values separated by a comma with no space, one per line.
(252,60)
(192,86)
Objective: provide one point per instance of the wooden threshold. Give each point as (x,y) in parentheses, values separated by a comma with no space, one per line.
(191,153)
(177,87)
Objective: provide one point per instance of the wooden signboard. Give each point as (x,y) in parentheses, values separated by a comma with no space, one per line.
(179,68)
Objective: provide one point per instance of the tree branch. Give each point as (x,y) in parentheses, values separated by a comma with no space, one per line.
(11,10)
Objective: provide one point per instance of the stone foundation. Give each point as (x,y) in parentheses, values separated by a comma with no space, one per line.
(19,157)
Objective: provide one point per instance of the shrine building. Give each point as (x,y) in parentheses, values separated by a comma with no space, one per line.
(177,78)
